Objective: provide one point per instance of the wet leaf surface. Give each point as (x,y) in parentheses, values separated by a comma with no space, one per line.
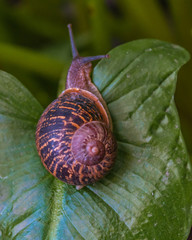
(148,193)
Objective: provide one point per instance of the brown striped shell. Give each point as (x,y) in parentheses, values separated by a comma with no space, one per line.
(74,140)
(74,134)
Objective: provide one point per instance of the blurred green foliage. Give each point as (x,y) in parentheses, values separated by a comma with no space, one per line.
(34,42)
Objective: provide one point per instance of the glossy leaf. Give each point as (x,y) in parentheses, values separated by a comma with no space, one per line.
(148,193)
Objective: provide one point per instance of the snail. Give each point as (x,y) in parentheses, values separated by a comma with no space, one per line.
(74,136)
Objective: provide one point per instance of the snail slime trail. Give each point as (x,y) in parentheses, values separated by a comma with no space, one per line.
(74,134)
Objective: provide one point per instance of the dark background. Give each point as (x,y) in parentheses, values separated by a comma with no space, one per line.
(35,48)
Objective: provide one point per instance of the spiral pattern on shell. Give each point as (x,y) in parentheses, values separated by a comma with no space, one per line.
(73,139)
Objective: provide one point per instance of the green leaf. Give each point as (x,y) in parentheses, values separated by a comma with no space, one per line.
(148,193)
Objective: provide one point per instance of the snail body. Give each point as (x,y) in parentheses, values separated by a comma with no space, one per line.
(74,134)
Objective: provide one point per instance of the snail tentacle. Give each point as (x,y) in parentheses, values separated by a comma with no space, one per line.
(74,134)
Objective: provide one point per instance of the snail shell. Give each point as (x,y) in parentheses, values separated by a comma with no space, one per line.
(74,134)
